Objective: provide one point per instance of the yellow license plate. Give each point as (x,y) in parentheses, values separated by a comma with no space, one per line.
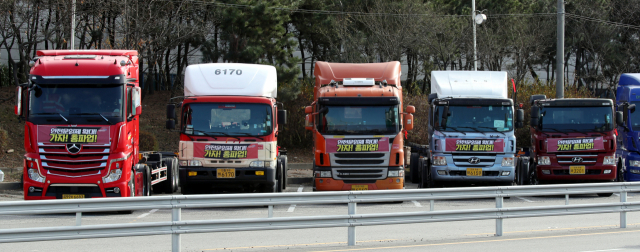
(475,172)
(73,196)
(359,187)
(193,173)
(578,169)
(226,173)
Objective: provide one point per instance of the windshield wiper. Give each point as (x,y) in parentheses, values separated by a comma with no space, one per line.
(205,133)
(456,130)
(556,130)
(575,130)
(249,134)
(494,129)
(65,119)
(105,119)
(474,129)
(224,134)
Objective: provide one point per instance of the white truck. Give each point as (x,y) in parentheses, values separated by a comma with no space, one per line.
(229,125)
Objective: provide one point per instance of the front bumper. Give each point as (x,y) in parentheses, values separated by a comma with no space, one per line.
(561,173)
(87,187)
(243,176)
(334,184)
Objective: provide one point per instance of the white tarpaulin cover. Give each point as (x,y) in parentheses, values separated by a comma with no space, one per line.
(230,79)
(468,84)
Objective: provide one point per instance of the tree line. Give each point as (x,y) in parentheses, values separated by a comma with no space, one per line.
(602,36)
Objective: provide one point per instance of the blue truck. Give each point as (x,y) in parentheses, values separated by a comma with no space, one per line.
(471,132)
(628,139)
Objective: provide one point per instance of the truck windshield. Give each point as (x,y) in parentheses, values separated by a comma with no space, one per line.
(359,120)
(476,118)
(568,119)
(220,119)
(76,104)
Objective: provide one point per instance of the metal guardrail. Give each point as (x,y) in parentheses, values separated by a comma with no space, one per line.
(176,227)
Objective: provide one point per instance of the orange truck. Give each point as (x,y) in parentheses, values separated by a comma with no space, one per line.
(359,125)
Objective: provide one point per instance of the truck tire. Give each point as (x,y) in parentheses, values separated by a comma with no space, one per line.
(523,172)
(533,175)
(413,167)
(176,175)
(284,160)
(280,177)
(424,179)
(620,172)
(167,185)
(147,181)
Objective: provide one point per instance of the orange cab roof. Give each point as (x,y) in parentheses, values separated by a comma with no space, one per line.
(389,71)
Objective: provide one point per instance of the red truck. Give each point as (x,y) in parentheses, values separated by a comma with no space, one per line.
(358,126)
(82,110)
(572,140)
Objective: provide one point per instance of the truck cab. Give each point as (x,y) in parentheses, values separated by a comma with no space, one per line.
(628,140)
(229,125)
(81,111)
(471,128)
(358,124)
(573,140)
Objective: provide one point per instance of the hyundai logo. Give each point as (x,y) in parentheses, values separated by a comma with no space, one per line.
(74,148)
(474,160)
(576,160)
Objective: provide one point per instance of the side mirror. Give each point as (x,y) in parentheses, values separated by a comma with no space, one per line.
(171,124)
(632,108)
(535,116)
(308,122)
(620,119)
(17,109)
(136,109)
(171,111)
(445,114)
(408,122)
(282,117)
(308,110)
(431,97)
(519,118)
(410,109)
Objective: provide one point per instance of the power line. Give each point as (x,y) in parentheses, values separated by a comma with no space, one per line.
(574,16)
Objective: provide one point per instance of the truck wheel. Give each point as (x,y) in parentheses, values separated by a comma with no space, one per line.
(523,172)
(280,177)
(533,175)
(167,185)
(175,175)
(413,167)
(146,190)
(132,184)
(424,179)
(620,173)
(283,161)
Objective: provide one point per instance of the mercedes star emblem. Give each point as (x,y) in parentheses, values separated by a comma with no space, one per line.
(73,148)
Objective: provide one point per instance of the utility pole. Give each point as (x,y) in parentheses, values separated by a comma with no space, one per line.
(473,21)
(73,23)
(560,52)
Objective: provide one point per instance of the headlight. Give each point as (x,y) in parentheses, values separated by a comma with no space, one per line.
(114,175)
(271,164)
(439,160)
(259,164)
(35,176)
(398,173)
(190,163)
(508,161)
(635,163)
(323,174)
(609,160)
(544,160)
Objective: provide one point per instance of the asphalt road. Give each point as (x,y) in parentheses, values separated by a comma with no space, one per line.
(598,232)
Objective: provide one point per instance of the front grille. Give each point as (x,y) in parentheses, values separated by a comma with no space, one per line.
(359,161)
(352,173)
(485,160)
(359,155)
(587,159)
(484,173)
(56,160)
(566,172)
